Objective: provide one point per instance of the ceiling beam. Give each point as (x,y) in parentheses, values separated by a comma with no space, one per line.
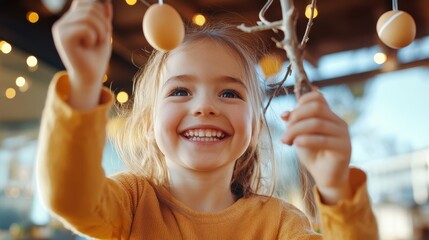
(354,78)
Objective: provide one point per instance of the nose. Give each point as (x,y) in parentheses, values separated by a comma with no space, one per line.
(205,106)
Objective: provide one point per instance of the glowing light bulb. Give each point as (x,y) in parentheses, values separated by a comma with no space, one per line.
(5,47)
(380,58)
(20,81)
(199,19)
(308,12)
(32,17)
(10,93)
(122,97)
(32,61)
(131,2)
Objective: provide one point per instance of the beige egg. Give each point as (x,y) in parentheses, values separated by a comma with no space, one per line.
(163,27)
(396,29)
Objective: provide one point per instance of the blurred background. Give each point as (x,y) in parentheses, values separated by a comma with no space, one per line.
(381,92)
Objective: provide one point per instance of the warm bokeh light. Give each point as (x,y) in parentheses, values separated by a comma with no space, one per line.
(380,58)
(20,81)
(131,2)
(25,87)
(199,19)
(271,64)
(5,47)
(10,93)
(122,97)
(308,12)
(32,61)
(32,17)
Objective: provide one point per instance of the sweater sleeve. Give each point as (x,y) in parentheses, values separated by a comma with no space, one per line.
(350,219)
(71,180)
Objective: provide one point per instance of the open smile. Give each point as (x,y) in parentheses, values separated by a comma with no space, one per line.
(204,135)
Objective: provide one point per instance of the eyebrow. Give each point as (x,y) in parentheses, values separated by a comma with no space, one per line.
(225,79)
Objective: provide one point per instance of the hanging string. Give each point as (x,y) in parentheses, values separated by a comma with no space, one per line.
(145,3)
(395,5)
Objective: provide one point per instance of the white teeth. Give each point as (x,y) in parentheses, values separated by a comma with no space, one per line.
(204,139)
(204,134)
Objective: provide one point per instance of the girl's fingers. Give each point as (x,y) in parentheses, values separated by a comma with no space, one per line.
(76,35)
(312,104)
(312,126)
(311,96)
(78,3)
(285,115)
(90,23)
(311,110)
(314,141)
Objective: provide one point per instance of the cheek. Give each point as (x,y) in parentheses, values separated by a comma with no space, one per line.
(159,126)
(250,117)
(165,123)
(245,120)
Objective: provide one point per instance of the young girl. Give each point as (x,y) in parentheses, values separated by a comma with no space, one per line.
(192,142)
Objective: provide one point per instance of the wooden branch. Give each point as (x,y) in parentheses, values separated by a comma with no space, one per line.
(305,38)
(261,27)
(294,51)
(292,47)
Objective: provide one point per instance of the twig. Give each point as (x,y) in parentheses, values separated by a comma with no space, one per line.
(263,10)
(305,38)
(261,27)
(290,44)
(279,86)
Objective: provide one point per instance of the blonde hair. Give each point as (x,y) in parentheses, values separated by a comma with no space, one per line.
(135,141)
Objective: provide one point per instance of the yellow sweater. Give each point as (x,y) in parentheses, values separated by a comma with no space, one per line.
(124,206)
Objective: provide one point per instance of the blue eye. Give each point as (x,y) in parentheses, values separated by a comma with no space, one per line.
(229,93)
(179,92)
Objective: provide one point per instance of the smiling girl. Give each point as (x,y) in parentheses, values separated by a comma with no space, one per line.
(192,142)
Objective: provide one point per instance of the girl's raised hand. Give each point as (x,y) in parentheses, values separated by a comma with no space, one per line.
(323,145)
(82,38)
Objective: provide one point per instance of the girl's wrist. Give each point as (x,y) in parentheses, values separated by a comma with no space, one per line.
(331,195)
(83,95)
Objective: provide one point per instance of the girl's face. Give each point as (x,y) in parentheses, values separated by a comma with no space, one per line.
(203,117)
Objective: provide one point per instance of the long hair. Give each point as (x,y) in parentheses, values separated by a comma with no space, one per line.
(135,140)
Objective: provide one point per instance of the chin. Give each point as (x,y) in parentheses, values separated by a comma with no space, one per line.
(207,166)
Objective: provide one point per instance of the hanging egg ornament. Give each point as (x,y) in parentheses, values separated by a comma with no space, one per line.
(396,29)
(163,27)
